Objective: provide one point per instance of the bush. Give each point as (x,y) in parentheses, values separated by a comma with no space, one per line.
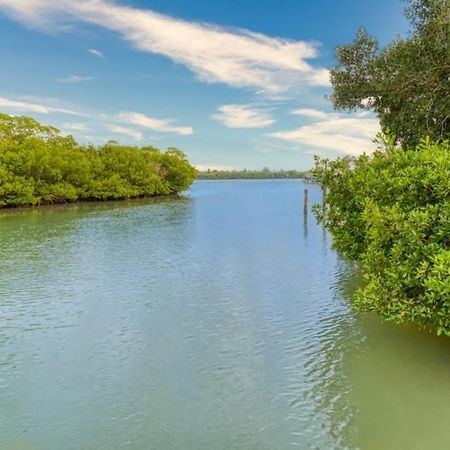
(391,212)
(38,165)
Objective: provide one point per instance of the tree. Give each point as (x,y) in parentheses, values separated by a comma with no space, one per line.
(21,127)
(407,84)
(391,212)
(38,165)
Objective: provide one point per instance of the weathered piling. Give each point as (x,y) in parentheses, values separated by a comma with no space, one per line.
(305,202)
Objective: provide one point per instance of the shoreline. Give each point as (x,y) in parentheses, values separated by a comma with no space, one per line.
(151,198)
(86,202)
(249,179)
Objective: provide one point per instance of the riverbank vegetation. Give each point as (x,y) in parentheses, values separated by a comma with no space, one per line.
(40,166)
(391,211)
(248,174)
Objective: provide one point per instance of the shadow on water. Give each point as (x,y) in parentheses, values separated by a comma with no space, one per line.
(397,379)
(375,385)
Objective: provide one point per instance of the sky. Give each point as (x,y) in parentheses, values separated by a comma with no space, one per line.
(234,83)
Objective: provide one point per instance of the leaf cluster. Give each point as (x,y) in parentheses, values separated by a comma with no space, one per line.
(391,212)
(407,84)
(39,166)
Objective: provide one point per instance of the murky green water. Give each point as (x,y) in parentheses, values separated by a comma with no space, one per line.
(215,322)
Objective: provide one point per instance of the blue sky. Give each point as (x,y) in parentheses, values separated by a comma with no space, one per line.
(234,83)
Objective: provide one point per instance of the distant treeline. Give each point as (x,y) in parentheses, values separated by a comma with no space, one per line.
(39,166)
(248,174)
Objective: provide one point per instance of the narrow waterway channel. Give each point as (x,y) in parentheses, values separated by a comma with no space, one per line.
(217,321)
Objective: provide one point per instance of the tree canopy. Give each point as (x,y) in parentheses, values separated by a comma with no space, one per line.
(391,212)
(38,165)
(407,84)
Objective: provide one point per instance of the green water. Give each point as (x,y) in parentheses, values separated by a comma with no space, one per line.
(218,321)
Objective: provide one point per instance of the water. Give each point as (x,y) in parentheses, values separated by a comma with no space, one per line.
(219,321)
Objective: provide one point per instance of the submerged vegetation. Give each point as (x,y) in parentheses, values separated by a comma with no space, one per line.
(391,211)
(40,166)
(248,174)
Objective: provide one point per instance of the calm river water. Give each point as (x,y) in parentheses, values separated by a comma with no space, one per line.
(218,321)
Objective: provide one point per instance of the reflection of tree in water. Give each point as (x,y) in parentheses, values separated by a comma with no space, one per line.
(68,279)
(35,236)
(48,257)
(399,383)
(330,337)
(376,384)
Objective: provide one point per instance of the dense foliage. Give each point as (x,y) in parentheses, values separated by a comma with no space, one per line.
(391,212)
(248,174)
(407,83)
(38,165)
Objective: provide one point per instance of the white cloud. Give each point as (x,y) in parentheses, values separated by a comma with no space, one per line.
(12,105)
(242,116)
(96,53)
(75,126)
(162,125)
(73,78)
(235,57)
(129,132)
(307,112)
(343,133)
(112,122)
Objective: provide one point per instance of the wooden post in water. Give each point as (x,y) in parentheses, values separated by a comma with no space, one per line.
(305,202)
(305,213)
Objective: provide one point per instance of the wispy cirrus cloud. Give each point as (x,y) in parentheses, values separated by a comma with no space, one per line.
(236,57)
(21,106)
(96,53)
(112,122)
(129,132)
(75,126)
(74,79)
(340,132)
(309,112)
(242,116)
(161,125)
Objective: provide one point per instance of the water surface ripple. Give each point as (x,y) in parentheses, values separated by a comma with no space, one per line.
(216,321)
